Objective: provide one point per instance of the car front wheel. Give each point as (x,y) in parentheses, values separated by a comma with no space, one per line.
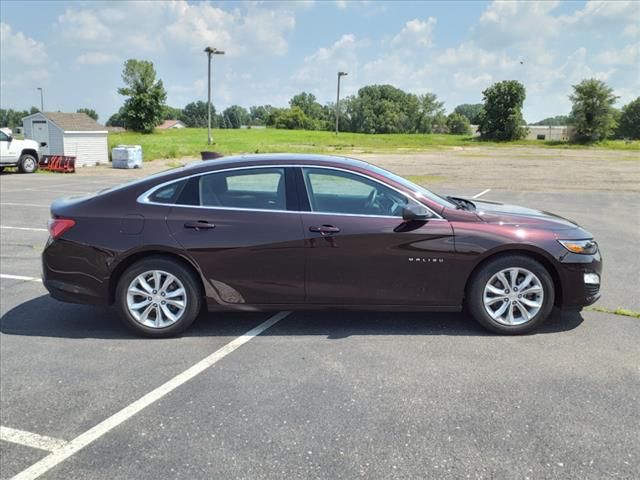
(511,295)
(158,297)
(28,163)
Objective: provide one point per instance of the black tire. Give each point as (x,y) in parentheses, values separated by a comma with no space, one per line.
(184,274)
(28,163)
(482,276)
(1,169)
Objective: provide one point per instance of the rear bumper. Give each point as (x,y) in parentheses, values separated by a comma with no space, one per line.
(73,277)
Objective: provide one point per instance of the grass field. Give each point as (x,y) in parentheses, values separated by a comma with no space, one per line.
(190,142)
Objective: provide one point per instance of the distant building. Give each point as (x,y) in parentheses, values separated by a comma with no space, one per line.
(542,132)
(167,124)
(70,134)
(557,133)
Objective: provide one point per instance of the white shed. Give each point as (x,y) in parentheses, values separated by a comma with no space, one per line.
(71,134)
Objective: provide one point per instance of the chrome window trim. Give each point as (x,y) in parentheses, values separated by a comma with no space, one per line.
(144,197)
(370,179)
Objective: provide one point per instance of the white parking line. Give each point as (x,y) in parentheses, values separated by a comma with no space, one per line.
(20,277)
(478,195)
(8,204)
(28,439)
(7,227)
(91,435)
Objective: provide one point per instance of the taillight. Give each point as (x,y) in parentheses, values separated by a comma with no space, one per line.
(57,226)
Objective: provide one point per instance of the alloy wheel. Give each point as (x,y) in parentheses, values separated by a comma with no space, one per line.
(513,296)
(156,299)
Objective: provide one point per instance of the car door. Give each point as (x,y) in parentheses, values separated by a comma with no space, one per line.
(4,147)
(240,226)
(359,251)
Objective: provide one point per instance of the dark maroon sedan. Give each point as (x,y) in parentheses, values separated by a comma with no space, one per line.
(279,232)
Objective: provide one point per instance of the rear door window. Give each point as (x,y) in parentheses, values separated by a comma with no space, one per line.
(258,188)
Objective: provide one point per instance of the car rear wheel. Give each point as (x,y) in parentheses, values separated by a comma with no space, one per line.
(28,163)
(158,297)
(511,295)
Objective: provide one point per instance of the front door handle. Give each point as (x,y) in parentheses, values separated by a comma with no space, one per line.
(325,229)
(200,225)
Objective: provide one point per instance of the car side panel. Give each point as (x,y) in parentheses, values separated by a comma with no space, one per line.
(250,257)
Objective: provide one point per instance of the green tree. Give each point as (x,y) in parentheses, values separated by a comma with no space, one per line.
(89,111)
(629,123)
(258,115)
(13,118)
(171,113)
(382,109)
(501,118)
(472,111)
(458,124)
(557,121)
(292,118)
(593,110)
(117,119)
(308,104)
(146,96)
(235,116)
(431,114)
(194,115)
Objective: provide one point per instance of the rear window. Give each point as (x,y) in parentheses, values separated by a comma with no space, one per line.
(168,193)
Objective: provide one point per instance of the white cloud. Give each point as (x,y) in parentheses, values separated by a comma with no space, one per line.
(23,63)
(96,58)
(628,55)
(20,49)
(507,23)
(415,33)
(464,80)
(632,30)
(258,28)
(83,25)
(602,14)
(325,62)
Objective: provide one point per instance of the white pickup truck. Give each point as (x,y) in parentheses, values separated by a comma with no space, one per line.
(23,154)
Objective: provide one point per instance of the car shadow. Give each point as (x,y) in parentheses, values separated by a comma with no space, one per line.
(45,317)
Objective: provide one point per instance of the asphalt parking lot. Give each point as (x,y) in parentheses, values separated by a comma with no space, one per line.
(316,395)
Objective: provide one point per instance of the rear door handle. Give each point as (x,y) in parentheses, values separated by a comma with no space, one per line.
(200,225)
(325,229)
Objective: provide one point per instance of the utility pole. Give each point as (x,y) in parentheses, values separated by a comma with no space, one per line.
(41,99)
(340,74)
(210,51)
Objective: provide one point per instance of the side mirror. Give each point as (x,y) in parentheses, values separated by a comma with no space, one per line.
(413,214)
(43,144)
(9,138)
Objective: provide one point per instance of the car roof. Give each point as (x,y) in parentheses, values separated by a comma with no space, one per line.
(287,158)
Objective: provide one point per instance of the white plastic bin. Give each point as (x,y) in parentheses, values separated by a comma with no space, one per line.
(126,156)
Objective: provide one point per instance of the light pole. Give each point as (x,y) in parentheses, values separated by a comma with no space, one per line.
(210,51)
(340,74)
(41,99)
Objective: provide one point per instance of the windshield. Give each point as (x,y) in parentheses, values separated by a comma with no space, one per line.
(412,186)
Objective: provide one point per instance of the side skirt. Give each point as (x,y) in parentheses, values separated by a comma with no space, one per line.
(213,307)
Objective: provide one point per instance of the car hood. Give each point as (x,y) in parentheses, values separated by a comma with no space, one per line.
(504,214)
(27,143)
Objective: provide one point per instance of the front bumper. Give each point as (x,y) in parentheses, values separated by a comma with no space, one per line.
(576,274)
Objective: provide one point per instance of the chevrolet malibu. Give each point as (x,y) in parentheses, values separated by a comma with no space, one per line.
(275,232)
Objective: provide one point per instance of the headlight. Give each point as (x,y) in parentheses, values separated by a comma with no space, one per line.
(584,247)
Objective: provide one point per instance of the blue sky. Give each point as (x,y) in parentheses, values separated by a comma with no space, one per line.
(75,50)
